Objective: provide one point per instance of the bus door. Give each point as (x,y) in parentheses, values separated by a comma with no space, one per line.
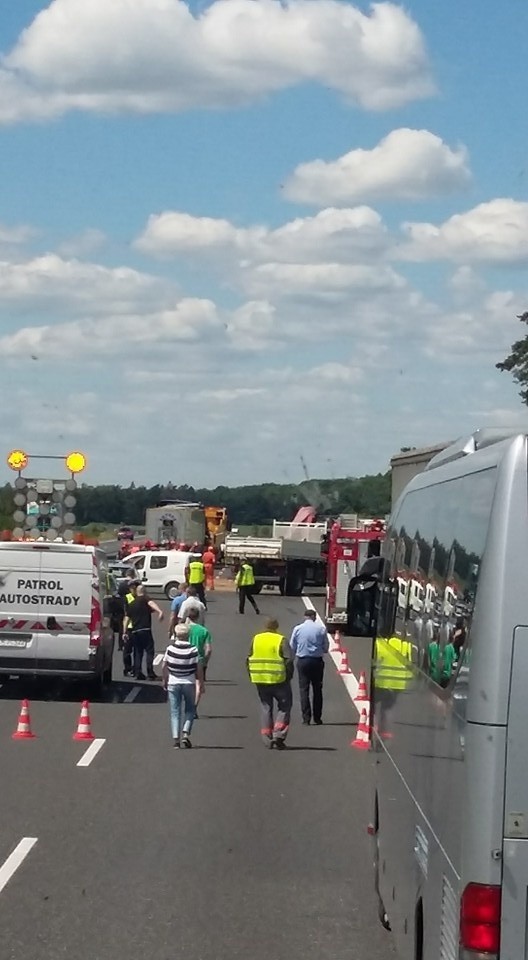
(514,927)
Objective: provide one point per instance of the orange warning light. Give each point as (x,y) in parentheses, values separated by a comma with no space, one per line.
(17,460)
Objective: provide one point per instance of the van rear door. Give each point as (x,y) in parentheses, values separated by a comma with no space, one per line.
(514,931)
(68,578)
(20,575)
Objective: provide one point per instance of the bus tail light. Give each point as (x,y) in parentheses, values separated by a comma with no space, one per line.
(480,913)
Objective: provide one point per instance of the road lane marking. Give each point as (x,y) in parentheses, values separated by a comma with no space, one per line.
(92,751)
(158,659)
(349,679)
(130,697)
(15,859)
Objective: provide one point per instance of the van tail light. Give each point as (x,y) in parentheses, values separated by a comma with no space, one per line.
(95,624)
(480,914)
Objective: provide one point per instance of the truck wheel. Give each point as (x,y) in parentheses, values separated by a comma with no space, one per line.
(294,581)
(171,590)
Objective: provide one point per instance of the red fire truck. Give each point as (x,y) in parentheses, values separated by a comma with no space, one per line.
(350,543)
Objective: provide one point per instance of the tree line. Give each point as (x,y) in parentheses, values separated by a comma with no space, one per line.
(112,505)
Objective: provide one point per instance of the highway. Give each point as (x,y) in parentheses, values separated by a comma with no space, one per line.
(224,851)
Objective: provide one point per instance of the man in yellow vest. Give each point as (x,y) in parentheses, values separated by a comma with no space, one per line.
(392,676)
(270,668)
(245,584)
(195,576)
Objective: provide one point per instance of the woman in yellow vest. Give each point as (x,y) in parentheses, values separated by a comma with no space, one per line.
(270,668)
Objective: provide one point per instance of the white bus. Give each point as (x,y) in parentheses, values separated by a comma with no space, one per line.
(449,713)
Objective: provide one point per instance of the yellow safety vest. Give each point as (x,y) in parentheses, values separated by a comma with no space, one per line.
(266,664)
(196,572)
(390,671)
(245,576)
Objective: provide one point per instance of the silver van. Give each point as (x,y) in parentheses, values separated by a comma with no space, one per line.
(449,710)
(54,611)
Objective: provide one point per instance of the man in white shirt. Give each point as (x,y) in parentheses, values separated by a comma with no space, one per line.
(191,602)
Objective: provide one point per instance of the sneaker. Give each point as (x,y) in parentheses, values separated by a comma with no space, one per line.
(186,742)
(153,676)
(176,743)
(318,723)
(279,744)
(140,676)
(128,673)
(306,723)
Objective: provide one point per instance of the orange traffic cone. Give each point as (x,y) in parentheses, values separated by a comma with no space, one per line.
(336,645)
(23,730)
(344,666)
(362,740)
(84,731)
(362,693)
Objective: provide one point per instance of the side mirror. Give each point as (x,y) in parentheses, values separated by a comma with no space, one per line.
(362,607)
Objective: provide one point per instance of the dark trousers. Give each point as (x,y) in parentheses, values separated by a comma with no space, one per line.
(143,643)
(246,593)
(200,592)
(128,649)
(310,671)
(271,695)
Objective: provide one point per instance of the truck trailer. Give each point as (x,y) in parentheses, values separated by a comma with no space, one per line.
(294,556)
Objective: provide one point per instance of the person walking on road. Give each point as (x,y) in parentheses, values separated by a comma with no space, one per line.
(176,603)
(183,681)
(128,645)
(209,561)
(195,576)
(199,637)
(309,643)
(270,668)
(139,614)
(245,584)
(191,601)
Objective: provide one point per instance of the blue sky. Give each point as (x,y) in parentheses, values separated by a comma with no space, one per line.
(237,233)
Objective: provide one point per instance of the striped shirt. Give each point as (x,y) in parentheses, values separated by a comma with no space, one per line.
(182,661)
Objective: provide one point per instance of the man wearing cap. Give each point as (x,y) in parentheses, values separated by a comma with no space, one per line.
(309,643)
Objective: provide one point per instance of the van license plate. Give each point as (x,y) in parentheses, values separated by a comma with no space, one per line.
(13,643)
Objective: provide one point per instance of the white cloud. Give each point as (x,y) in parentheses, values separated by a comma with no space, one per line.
(153,56)
(186,321)
(322,281)
(343,235)
(82,244)
(17,235)
(405,165)
(494,233)
(50,281)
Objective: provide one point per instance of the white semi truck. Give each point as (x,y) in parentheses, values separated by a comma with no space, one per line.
(180,521)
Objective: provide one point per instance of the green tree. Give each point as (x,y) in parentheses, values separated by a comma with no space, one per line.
(516,362)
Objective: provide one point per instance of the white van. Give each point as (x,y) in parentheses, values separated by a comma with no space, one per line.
(161,569)
(53,618)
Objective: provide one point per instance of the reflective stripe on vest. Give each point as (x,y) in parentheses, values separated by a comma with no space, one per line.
(246,577)
(390,670)
(266,665)
(196,572)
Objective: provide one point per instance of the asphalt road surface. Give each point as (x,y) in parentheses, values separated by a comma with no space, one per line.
(221,852)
